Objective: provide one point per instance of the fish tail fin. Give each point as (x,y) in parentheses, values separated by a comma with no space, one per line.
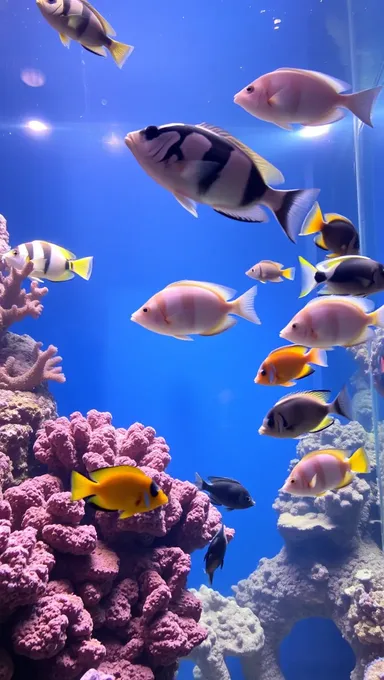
(342,405)
(81,486)
(288,273)
(82,267)
(200,483)
(314,221)
(318,357)
(291,208)
(377,317)
(361,103)
(244,305)
(308,273)
(359,461)
(120,52)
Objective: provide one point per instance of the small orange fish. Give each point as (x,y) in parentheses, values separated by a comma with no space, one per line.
(289,363)
(124,488)
(268,270)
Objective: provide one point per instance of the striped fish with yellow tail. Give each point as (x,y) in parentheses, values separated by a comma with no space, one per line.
(50,262)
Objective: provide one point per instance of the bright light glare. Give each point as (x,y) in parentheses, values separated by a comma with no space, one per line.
(37,126)
(314,131)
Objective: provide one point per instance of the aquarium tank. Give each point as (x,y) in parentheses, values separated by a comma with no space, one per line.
(191,340)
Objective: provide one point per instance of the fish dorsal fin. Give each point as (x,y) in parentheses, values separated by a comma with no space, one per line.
(63,251)
(106,26)
(294,349)
(269,173)
(336,453)
(277,264)
(364,304)
(336,83)
(329,217)
(223,291)
(103,473)
(224,479)
(319,395)
(326,265)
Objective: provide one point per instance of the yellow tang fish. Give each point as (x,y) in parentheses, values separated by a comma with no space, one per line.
(50,262)
(124,488)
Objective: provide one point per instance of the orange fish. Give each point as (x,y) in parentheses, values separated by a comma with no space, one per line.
(124,488)
(289,363)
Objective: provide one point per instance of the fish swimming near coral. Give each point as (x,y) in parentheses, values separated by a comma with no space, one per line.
(78,20)
(226,491)
(348,275)
(299,413)
(295,95)
(194,307)
(326,470)
(334,321)
(205,164)
(333,232)
(50,262)
(123,488)
(214,557)
(268,270)
(289,363)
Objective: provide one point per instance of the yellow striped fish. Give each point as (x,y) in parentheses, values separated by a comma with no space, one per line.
(50,262)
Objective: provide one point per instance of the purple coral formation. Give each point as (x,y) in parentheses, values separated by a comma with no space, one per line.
(89,593)
(375,670)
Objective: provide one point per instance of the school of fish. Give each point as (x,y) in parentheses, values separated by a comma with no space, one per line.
(202,164)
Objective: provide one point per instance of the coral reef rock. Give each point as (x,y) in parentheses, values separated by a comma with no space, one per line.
(233,631)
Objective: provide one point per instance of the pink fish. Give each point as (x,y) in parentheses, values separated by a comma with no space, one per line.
(334,321)
(293,95)
(325,470)
(195,307)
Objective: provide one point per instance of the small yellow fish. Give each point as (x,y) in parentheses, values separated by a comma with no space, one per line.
(124,488)
(267,270)
(50,262)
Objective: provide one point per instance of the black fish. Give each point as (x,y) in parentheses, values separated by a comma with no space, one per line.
(214,557)
(349,275)
(226,491)
(333,232)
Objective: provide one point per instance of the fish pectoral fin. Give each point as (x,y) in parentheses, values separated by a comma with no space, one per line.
(65,39)
(346,481)
(253,213)
(313,481)
(106,26)
(187,203)
(182,337)
(283,100)
(329,117)
(222,326)
(77,22)
(291,383)
(327,422)
(307,370)
(100,51)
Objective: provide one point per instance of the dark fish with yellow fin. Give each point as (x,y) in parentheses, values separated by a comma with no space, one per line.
(333,232)
(78,20)
(50,262)
(214,557)
(299,413)
(123,488)
(268,270)
(325,470)
(289,363)
(346,275)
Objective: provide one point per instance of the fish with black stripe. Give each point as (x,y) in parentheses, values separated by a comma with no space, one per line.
(204,164)
(78,20)
(50,262)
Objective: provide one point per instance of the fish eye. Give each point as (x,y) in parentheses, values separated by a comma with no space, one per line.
(292,481)
(263,372)
(250,89)
(51,2)
(145,309)
(294,326)
(253,269)
(15,252)
(154,489)
(151,132)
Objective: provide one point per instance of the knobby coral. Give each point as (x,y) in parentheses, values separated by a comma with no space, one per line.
(89,591)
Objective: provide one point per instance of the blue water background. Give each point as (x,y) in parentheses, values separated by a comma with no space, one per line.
(73,189)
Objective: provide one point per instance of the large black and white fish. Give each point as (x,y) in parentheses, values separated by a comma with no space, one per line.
(204,164)
(348,275)
(50,262)
(78,20)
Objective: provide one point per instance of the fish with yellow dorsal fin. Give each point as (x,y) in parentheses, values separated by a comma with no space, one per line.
(332,232)
(326,470)
(189,308)
(299,413)
(124,488)
(346,275)
(289,363)
(50,262)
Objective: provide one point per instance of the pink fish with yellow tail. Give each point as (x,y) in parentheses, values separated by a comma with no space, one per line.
(294,95)
(334,321)
(189,308)
(325,470)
